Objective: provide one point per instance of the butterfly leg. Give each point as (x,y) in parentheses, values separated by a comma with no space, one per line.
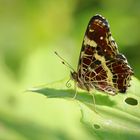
(94,101)
(75,88)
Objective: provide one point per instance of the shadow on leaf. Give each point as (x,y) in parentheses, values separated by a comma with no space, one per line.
(81,96)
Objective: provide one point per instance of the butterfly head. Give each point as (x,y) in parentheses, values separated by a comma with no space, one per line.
(79,82)
(74,76)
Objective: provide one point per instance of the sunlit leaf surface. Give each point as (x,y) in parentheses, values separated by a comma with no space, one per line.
(111,117)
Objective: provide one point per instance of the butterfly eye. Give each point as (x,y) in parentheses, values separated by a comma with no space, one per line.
(74,76)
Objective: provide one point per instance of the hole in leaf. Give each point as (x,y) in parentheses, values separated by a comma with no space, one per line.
(96,126)
(131,101)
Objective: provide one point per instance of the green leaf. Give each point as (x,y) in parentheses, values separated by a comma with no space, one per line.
(17,128)
(115,117)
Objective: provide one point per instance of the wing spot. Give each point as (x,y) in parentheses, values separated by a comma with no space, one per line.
(101,37)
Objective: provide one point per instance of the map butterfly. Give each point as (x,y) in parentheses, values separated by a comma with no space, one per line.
(101,66)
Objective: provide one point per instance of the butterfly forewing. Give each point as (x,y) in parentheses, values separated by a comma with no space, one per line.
(101,66)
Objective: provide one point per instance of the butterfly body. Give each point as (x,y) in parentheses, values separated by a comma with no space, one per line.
(101,66)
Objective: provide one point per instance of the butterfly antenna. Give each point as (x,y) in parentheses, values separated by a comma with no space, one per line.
(68,84)
(64,62)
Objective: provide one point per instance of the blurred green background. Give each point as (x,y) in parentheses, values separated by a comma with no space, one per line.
(30,32)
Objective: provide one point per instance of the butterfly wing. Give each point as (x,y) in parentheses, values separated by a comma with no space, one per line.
(98,58)
(121,71)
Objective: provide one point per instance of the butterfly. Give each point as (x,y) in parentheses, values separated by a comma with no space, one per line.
(101,66)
